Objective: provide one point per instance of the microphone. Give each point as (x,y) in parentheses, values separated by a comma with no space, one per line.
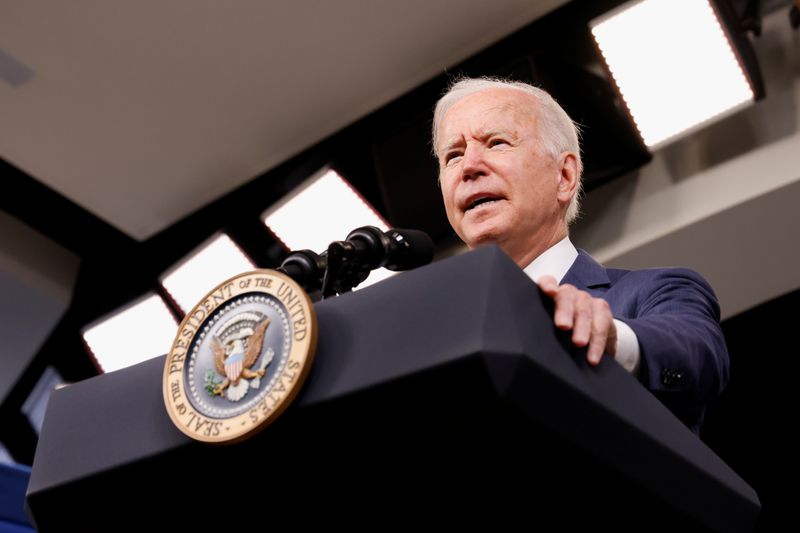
(397,249)
(368,248)
(306,268)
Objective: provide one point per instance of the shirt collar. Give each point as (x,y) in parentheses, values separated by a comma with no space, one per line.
(555,261)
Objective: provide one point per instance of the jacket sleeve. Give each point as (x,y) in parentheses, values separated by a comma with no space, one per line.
(684,360)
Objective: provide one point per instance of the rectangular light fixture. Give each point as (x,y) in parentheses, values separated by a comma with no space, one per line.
(138,332)
(323,209)
(673,64)
(209,265)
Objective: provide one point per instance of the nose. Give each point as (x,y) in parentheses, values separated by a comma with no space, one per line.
(474,164)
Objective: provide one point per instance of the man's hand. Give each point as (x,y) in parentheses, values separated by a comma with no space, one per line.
(589,318)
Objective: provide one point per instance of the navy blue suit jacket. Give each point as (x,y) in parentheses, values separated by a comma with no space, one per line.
(675,315)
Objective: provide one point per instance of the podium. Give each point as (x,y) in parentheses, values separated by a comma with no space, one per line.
(442,396)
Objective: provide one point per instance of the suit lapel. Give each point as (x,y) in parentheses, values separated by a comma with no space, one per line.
(586,273)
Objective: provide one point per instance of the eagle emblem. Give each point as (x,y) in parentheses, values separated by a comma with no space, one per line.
(236,348)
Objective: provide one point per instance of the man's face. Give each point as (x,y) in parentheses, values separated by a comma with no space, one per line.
(498,184)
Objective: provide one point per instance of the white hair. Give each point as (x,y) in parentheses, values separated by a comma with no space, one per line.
(557,132)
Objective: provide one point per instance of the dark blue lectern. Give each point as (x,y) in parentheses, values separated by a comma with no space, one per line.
(443,396)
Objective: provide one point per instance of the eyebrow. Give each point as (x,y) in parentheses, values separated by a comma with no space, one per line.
(482,136)
(452,144)
(498,132)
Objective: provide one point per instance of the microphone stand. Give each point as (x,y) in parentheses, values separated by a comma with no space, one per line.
(341,275)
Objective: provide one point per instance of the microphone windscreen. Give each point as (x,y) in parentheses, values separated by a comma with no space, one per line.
(410,248)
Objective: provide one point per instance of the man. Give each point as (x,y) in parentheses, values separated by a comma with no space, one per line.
(510,174)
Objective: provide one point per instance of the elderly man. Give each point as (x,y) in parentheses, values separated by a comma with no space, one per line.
(510,173)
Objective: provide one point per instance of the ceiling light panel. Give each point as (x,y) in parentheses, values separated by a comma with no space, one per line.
(325,208)
(673,65)
(204,269)
(136,333)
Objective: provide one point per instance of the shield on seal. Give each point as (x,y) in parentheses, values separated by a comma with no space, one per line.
(234,365)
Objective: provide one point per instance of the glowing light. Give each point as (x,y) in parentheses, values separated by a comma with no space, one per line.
(136,333)
(673,65)
(323,209)
(204,269)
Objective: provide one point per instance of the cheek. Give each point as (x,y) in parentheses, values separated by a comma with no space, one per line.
(450,212)
(448,193)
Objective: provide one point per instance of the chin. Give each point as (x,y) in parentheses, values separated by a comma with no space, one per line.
(492,229)
(486,236)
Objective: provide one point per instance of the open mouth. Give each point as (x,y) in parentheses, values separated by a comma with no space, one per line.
(480,201)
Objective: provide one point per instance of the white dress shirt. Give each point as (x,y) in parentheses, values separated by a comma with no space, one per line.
(556,261)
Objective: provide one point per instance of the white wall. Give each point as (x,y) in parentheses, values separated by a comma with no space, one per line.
(36,281)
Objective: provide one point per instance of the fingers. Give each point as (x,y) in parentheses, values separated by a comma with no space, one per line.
(589,318)
(604,332)
(570,310)
(549,285)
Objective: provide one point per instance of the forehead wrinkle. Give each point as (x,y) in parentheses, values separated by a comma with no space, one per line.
(523,112)
(489,123)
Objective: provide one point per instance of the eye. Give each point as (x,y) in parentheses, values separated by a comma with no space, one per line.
(451,155)
(498,141)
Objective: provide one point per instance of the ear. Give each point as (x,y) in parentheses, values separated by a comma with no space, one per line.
(568,177)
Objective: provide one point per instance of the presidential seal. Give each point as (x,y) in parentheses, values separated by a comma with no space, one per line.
(240,357)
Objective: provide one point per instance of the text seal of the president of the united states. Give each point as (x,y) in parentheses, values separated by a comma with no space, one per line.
(240,357)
